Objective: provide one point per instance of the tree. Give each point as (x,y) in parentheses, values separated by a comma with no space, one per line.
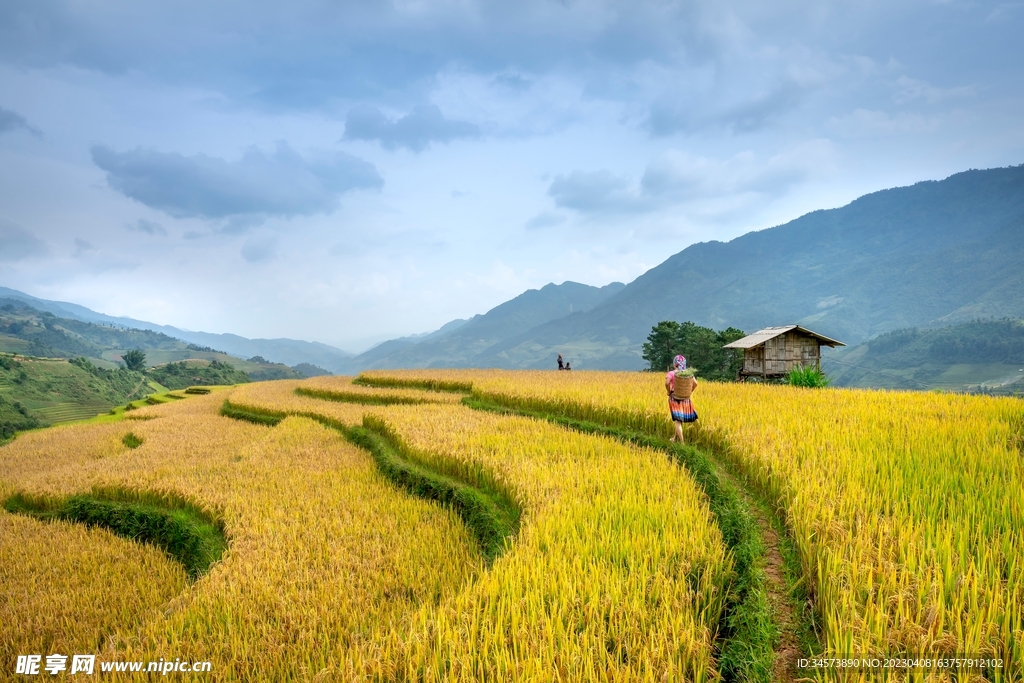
(662,345)
(134,360)
(733,357)
(702,347)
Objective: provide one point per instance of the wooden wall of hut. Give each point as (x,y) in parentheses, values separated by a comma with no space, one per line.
(779,355)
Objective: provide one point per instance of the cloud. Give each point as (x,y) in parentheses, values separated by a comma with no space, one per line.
(415,131)
(676,177)
(596,192)
(513,82)
(148,227)
(282,183)
(17,244)
(680,176)
(341,50)
(11,121)
(911,89)
(259,248)
(867,123)
(82,247)
(545,219)
(747,116)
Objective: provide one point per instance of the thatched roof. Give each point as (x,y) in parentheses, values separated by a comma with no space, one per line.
(761,336)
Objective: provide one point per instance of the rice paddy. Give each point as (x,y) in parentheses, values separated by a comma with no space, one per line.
(345,561)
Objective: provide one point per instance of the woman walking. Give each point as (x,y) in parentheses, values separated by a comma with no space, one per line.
(680,384)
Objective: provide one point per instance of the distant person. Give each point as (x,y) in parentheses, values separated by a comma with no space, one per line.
(567,366)
(680,385)
(561,364)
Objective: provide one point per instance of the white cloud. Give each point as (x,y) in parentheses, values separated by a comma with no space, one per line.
(17,243)
(282,183)
(872,123)
(911,89)
(416,130)
(148,227)
(683,176)
(676,177)
(259,248)
(545,219)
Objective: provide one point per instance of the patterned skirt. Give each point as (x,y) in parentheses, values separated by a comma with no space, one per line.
(682,410)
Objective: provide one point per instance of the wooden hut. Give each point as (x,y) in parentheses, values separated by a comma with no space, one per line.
(774,351)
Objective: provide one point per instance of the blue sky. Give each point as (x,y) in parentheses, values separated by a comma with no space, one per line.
(351,171)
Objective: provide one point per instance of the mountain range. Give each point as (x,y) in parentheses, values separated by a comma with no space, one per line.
(931,254)
(927,255)
(286,351)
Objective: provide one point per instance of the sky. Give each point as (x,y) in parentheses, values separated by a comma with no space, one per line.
(348,172)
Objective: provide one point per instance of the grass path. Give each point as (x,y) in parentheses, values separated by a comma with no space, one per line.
(791,612)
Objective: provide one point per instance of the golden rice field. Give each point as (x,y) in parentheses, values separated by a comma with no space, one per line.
(617,572)
(907,508)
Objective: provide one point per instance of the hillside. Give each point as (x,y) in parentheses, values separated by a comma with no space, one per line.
(978,357)
(69,369)
(47,391)
(934,253)
(279,351)
(469,343)
(29,331)
(185,374)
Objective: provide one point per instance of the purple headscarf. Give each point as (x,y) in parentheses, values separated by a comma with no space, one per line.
(680,362)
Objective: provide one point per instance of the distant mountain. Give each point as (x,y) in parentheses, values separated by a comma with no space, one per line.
(934,253)
(285,351)
(469,343)
(979,357)
(28,331)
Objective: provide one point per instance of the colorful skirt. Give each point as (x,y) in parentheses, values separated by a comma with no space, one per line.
(682,410)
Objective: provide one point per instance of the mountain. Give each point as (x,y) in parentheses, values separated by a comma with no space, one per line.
(28,331)
(934,253)
(284,351)
(469,343)
(985,356)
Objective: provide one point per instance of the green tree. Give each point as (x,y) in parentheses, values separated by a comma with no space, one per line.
(134,360)
(733,358)
(663,343)
(702,347)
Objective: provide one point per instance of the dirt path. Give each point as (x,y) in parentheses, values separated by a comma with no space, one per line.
(784,611)
(788,650)
(141,382)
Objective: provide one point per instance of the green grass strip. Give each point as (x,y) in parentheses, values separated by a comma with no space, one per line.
(491,515)
(269,418)
(362,399)
(493,518)
(450,386)
(750,634)
(181,529)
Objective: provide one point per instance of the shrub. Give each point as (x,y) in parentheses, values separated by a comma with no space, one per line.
(807,377)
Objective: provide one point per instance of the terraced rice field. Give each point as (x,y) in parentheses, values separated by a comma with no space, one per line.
(70,412)
(541,530)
